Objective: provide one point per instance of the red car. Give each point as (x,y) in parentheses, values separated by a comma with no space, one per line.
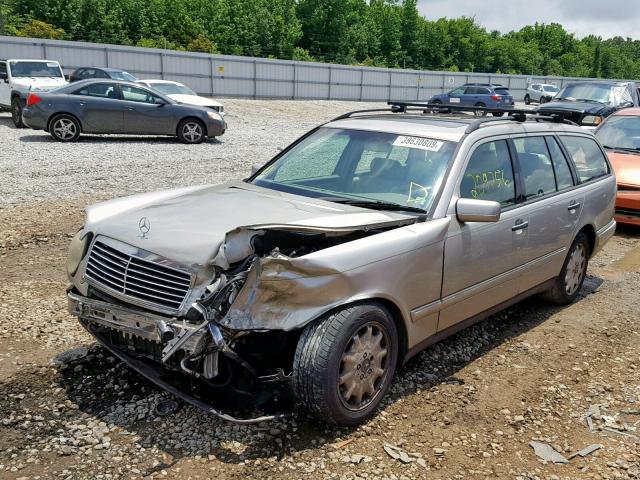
(620,136)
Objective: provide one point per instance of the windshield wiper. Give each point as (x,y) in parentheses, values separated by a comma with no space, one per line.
(590,100)
(374,204)
(623,149)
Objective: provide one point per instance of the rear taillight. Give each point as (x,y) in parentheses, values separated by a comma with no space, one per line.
(32,99)
(497,98)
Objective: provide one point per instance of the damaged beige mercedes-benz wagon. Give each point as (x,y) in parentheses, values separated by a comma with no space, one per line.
(363,242)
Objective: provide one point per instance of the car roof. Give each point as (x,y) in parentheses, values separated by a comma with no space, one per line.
(29,60)
(606,83)
(105,80)
(448,128)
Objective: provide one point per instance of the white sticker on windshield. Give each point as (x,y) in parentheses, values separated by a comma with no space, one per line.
(418,142)
(52,64)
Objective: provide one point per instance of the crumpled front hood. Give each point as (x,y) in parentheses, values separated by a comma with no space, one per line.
(567,106)
(626,167)
(38,83)
(195,100)
(188,225)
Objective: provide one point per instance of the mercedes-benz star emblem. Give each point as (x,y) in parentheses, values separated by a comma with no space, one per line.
(144,225)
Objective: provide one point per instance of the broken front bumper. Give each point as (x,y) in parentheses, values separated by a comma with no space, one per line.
(94,314)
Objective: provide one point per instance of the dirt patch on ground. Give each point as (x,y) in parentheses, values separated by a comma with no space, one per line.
(465,408)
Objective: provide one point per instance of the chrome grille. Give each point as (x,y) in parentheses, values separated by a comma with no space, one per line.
(137,279)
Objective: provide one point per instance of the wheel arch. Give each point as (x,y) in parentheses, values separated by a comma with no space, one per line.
(54,115)
(192,117)
(590,232)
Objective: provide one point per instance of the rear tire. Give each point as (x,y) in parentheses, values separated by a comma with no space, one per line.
(480,113)
(568,284)
(16,112)
(527,99)
(497,114)
(64,128)
(192,131)
(344,363)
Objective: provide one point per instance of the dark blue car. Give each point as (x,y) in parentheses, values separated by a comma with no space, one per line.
(471,95)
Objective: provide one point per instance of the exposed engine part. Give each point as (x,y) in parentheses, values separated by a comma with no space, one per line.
(165,331)
(210,365)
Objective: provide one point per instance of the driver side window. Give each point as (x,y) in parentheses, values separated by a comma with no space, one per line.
(133,94)
(489,174)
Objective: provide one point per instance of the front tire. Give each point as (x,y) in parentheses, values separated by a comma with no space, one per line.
(568,284)
(480,113)
(16,112)
(527,99)
(344,363)
(192,131)
(64,128)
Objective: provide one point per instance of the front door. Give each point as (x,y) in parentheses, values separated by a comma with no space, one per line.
(100,108)
(481,260)
(5,91)
(145,112)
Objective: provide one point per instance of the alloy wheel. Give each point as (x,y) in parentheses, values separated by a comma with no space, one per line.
(64,129)
(575,269)
(363,366)
(192,132)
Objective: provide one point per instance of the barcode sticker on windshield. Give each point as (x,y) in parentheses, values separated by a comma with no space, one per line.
(418,142)
(52,64)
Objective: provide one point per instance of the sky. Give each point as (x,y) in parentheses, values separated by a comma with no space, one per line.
(605,18)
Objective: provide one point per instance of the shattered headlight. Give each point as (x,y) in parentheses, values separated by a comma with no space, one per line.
(77,250)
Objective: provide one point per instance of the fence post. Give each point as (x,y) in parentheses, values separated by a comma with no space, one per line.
(212,73)
(162,65)
(44,51)
(330,80)
(295,80)
(106,57)
(361,82)
(255,78)
(389,98)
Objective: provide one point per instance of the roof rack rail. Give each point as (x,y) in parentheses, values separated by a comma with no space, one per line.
(513,114)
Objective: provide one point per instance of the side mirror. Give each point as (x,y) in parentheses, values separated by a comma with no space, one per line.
(471,210)
(254,168)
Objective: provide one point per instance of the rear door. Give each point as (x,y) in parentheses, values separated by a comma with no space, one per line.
(469,96)
(552,204)
(146,113)
(100,107)
(481,259)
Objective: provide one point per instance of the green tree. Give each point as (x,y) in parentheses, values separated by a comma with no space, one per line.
(40,29)
(202,44)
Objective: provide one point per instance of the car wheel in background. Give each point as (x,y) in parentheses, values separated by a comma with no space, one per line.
(568,284)
(497,114)
(344,363)
(480,113)
(64,128)
(16,112)
(543,100)
(527,99)
(191,130)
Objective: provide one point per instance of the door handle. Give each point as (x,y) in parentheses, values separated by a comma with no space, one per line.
(130,108)
(574,206)
(520,225)
(82,104)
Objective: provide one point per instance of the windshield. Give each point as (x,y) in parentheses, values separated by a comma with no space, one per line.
(596,92)
(35,69)
(550,89)
(620,132)
(172,89)
(359,167)
(122,76)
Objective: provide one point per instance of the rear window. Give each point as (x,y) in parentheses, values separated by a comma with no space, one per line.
(589,160)
(502,91)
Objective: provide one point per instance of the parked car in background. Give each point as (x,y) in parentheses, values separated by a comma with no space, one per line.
(483,95)
(183,94)
(366,240)
(620,136)
(540,93)
(589,103)
(87,73)
(19,76)
(112,106)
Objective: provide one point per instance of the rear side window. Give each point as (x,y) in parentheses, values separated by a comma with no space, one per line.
(103,90)
(563,172)
(587,157)
(3,68)
(489,174)
(535,166)
(502,91)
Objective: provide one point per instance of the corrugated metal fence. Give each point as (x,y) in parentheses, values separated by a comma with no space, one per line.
(233,76)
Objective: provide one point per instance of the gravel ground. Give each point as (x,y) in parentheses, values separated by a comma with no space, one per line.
(465,408)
